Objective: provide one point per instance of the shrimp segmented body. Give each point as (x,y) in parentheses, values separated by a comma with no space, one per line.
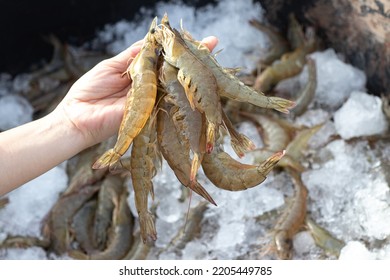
(306,94)
(230,86)
(110,191)
(289,65)
(189,122)
(291,220)
(176,153)
(279,45)
(196,78)
(120,240)
(228,174)
(142,170)
(140,99)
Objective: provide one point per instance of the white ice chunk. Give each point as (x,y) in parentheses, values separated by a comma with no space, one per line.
(361,115)
(335,79)
(33,253)
(15,111)
(30,203)
(303,243)
(355,250)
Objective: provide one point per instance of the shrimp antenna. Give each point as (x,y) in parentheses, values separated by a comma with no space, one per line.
(188,211)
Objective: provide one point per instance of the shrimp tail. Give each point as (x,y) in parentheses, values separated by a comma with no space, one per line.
(242,144)
(281,104)
(107,159)
(148,229)
(266,167)
(196,187)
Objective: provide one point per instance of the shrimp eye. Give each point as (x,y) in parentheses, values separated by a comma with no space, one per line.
(153,30)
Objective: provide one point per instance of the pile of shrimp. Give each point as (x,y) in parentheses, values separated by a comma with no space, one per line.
(174,111)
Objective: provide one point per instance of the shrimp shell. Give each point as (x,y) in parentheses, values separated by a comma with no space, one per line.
(189,122)
(140,99)
(142,170)
(175,152)
(196,78)
(306,94)
(228,174)
(230,86)
(291,220)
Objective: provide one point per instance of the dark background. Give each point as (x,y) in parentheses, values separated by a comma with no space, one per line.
(24,23)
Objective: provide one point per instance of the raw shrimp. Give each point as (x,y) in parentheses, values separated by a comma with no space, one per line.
(289,65)
(120,234)
(275,137)
(60,217)
(23,242)
(228,174)
(230,86)
(175,152)
(279,45)
(291,220)
(197,79)
(110,191)
(306,94)
(139,250)
(140,99)
(189,122)
(142,169)
(295,34)
(82,224)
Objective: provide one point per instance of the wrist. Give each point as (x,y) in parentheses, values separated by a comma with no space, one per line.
(61,127)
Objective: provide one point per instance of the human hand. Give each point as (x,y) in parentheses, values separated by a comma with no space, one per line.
(95,103)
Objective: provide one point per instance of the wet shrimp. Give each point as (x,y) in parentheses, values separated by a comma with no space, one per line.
(140,99)
(120,234)
(196,78)
(189,122)
(279,45)
(109,192)
(230,86)
(306,94)
(176,152)
(144,156)
(291,220)
(289,65)
(82,224)
(228,174)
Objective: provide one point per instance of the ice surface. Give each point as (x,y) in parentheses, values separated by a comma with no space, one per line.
(361,115)
(349,195)
(33,253)
(355,250)
(15,111)
(335,79)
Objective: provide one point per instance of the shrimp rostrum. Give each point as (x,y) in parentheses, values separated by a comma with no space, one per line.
(174,108)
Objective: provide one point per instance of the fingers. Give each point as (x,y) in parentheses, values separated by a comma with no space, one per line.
(210,42)
(122,60)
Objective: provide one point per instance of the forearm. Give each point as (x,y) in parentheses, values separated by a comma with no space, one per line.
(32,149)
